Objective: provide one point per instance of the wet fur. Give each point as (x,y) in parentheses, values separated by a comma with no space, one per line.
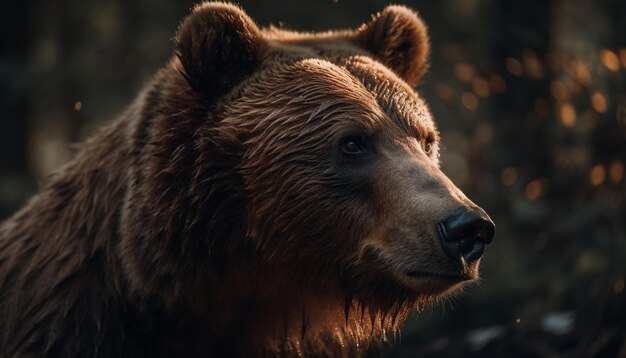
(167,235)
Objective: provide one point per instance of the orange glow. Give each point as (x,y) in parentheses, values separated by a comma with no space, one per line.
(532,64)
(558,90)
(78,105)
(514,66)
(536,188)
(445,92)
(618,286)
(508,176)
(609,59)
(598,102)
(480,86)
(622,56)
(497,84)
(542,107)
(469,100)
(567,115)
(597,175)
(616,171)
(464,71)
(581,73)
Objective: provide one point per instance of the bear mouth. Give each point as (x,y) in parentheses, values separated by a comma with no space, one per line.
(439,276)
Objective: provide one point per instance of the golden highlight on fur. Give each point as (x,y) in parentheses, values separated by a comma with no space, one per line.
(218,215)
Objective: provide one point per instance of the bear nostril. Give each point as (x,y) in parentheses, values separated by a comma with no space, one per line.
(474,249)
(465,233)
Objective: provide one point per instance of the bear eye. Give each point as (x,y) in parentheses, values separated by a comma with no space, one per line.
(352,145)
(428,147)
(428,143)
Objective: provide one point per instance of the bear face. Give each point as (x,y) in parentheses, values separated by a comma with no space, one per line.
(367,158)
(337,152)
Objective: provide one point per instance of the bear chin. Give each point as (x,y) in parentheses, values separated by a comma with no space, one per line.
(437,284)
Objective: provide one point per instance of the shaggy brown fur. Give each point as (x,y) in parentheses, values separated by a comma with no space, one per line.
(218,216)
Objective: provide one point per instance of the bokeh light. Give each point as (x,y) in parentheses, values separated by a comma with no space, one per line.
(497,84)
(609,59)
(514,66)
(480,86)
(469,100)
(616,171)
(618,286)
(567,114)
(581,73)
(558,90)
(536,189)
(532,64)
(598,102)
(464,72)
(445,92)
(508,176)
(597,175)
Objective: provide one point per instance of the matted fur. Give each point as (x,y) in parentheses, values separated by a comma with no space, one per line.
(217,217)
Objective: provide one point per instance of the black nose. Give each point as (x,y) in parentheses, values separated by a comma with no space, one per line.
(465,233)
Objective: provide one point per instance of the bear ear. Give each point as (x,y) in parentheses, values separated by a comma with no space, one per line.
(399,39)
(218,47)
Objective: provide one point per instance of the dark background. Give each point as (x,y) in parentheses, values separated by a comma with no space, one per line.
(530,98)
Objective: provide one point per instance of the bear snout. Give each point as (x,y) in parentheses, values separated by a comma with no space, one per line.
(465,232)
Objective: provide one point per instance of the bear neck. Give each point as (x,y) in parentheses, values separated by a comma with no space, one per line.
(264,307)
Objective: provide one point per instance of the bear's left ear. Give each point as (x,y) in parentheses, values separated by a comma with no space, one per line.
(399,39)
(218,47)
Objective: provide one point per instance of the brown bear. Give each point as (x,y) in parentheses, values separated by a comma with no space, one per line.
(268,193)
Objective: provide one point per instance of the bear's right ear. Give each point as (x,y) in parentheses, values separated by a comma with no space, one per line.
(218,47)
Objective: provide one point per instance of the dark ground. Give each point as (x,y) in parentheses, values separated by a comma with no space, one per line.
(530,97)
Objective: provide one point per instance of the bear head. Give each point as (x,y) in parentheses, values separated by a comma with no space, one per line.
(312,150)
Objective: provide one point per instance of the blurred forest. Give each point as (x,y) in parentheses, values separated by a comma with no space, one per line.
(530,98)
